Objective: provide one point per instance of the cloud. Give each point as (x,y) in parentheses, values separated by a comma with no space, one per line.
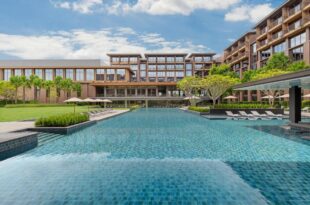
(81,6)
(82,44)
(172,7)
(252,13)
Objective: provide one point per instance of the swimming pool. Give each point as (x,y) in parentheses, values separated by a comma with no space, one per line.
(163,155)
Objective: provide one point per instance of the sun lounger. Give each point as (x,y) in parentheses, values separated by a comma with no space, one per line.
(305,109)
(262,116)
(271,114)
(248,116)
(232,115)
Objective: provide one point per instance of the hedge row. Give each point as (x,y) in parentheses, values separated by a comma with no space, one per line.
(63,120)
(37,105)
(199,109)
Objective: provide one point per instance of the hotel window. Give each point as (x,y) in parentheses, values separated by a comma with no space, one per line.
(142,67)
(179,75)
(7,74)
(279,48)
(143,75)
(189,73)
(115,60)
(120,92)
(59,72)
(170,59)
(189,66)
(17,72)
(198,66)
(110,92)
(295,9)
(170,67)
(141,91)
(294,25)
(131,92)
(151,92)
(179,59)
(297,54)
(90,74)
(298,40)
(124,60)
(265,54)
(39,73)
(133,59)
(277,35)
(161,59)
(100,74)
(110,74)
(69,74)
(152,76)
(134,67)
(161,67)
(161,76)
(207,58)
(120,73)
(179,66)
(198,59)
(152,67)
(28,73)
(48,74)
(151,59)
(79,75)
(170,76)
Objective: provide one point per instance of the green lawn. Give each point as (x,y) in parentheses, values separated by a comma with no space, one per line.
(27,113)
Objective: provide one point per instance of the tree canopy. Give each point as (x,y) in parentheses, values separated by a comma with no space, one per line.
(223,69)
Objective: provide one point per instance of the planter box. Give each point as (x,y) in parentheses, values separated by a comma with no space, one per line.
(64,130)
(235,111)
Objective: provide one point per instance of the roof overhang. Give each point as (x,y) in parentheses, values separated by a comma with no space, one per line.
(300,79)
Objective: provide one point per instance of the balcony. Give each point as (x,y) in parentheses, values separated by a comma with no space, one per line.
(306,5)
(262,33)
(276,24)
(293,14)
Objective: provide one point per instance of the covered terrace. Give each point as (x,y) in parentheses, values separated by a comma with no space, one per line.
(294,82)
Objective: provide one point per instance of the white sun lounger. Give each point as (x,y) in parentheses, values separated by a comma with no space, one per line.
(271,114)
(262,116)
(232,115)
(248,116)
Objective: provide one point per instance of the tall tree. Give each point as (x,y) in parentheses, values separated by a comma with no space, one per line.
(216,85)
(58,86)
(7,90)
(66,85)
(223,69)
(190,86)
(37,84)
(17,82)
(48,85)
(278,61)
(26,84)
(76,87)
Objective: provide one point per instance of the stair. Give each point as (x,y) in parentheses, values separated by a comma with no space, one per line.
(44,138)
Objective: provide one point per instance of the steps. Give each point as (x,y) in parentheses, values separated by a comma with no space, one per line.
(44,138)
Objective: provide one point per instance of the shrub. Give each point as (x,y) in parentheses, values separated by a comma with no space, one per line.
(242,106)
(199,109)
(63,120)
(37,105)
(306,103)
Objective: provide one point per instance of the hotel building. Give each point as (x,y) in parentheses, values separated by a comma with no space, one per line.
(129,79)
(286,29)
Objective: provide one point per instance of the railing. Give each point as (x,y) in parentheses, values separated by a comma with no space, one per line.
(305,3)
(277,35)
(263,31)
(276,22)
(294,10)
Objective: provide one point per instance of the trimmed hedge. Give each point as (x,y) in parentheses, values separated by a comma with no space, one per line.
(242,106)
(63,120)
(199,109)
(37,105)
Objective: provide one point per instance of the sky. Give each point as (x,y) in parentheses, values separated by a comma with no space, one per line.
(88,29)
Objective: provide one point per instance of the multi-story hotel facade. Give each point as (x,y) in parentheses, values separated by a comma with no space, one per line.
(286,29)
(129,79)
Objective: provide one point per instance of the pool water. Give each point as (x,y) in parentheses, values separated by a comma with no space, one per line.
(164,156)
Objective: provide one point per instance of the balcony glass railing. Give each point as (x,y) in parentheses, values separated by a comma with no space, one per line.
(276,22)
(294,10)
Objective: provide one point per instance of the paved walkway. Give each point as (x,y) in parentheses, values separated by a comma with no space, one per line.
(6,127)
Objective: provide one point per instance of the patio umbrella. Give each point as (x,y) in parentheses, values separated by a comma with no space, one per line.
(106,101)
(230,97)
(73,100)
(306,96)
(284,96)
(89,100)
(268,97)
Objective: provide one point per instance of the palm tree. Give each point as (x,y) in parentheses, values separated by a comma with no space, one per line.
(17,82)
(26,83)
(37,84)
(58,86)
(66,85)
(48,84)
(77,88)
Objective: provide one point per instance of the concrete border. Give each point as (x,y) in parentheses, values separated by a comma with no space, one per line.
(12,144)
